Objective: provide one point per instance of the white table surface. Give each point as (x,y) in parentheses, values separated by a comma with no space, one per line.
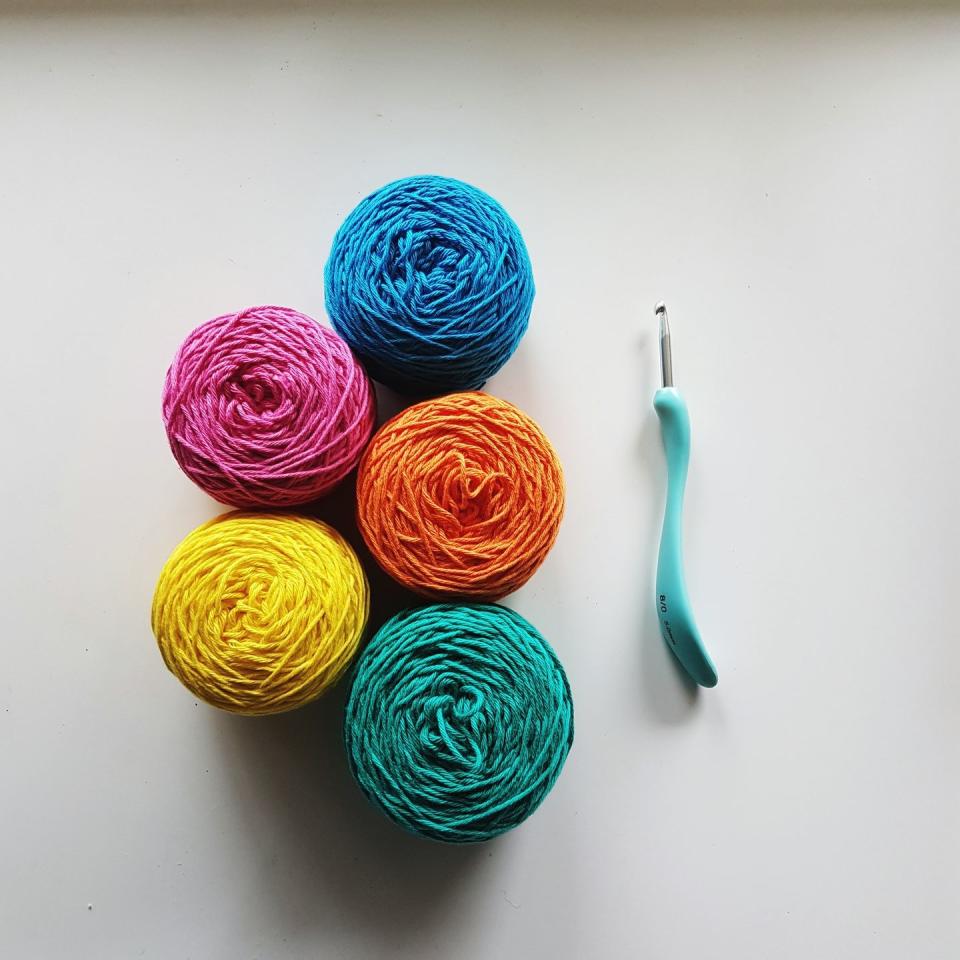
(786,178)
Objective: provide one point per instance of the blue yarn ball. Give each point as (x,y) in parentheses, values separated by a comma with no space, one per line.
(430,283)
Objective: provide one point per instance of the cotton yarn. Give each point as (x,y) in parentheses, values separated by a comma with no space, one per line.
(266,408)
(258,613)
(430,283)
(460,496)
(459,721)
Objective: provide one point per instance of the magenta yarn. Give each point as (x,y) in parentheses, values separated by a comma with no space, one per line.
(266,408)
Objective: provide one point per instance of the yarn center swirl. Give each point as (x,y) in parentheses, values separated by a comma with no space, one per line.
(463,494)
(255,389)
(258,395)
(429,271)
(254,605)
(453,724)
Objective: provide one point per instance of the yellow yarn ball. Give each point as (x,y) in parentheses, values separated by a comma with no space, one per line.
(258,613)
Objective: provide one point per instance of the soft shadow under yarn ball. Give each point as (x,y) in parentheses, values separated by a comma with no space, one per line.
(430,283)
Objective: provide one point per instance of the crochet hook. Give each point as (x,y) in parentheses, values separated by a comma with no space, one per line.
(677,625)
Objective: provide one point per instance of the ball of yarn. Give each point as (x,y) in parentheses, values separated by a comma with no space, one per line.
(259,613)
(459,721)
(266,408)
(430,283)
(460,496)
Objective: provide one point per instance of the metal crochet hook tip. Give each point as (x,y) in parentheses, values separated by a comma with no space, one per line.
(666,355)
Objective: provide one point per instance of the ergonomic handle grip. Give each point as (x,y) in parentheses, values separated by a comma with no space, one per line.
(673,605)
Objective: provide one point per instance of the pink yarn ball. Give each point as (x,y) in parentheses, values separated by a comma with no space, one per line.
(266,408)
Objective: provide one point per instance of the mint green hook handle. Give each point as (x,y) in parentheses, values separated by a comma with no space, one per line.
(673,605)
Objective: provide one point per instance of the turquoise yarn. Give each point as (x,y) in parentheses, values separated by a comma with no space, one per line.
(459,720)
(429,282)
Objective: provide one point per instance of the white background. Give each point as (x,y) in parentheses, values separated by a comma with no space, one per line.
(786,178)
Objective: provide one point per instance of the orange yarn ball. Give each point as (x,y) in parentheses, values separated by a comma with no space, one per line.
(460,496)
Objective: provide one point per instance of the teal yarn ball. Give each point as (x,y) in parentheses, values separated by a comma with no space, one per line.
(459,721)
(430,283)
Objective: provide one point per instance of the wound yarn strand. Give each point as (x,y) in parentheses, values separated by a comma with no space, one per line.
(266,408)
(258,613)
(460,496)
(430,283)
(459,721)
